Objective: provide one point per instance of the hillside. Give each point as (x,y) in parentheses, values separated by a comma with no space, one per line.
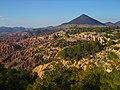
(61,54)
(30,52)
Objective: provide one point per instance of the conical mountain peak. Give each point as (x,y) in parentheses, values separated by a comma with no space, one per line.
(84,15)
(85,19)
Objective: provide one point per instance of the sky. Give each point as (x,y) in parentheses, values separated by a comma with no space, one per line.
(42,13)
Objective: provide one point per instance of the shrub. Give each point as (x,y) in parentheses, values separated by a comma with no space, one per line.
(110,42)
(113,56)
(116,48)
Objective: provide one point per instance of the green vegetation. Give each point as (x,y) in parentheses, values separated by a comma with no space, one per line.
(63,78)
(11,79)
(113,56)
(47,61)
(116,48)
(80,50)
(97,29)
(110,42)
(118,41)
(63,43)
(115,36)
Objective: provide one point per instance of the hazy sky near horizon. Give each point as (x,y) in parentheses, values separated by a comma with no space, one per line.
(42,13)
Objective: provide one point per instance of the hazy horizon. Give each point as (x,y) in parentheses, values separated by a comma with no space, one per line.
(42,13)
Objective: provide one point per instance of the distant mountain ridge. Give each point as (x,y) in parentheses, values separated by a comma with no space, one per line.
(85,20)
(117,23)
(113,24)
(12,29)
(110,24)
(81,21)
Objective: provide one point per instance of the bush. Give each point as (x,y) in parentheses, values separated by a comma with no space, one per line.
(97,29)
(115,36)
(110,42)
(116,48)
(81,50)
(113,56)
(46,61)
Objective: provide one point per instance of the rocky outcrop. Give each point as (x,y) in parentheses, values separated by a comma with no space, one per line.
(89,36)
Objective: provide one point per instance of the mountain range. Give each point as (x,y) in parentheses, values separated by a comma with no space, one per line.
(113,24)
(12,29)
(81,21)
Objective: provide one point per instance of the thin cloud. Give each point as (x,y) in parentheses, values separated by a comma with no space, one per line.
(2,18)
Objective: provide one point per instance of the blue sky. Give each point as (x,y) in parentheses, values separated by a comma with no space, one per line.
(41,13)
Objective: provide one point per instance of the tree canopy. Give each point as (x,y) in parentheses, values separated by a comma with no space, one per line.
(80,50)
(63,78)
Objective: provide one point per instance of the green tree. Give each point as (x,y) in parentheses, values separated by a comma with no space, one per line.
(12,79)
